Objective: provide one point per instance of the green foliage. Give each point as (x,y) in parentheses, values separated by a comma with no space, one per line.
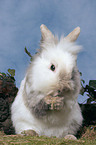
(9,77)
(29,54)
(11,72)
(90,90)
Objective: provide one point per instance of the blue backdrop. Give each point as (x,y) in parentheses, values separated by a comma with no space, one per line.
(20,22)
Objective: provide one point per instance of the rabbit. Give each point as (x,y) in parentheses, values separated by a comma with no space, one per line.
(46,103)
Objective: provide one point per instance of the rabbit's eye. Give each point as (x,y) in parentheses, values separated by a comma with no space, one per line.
(52,67)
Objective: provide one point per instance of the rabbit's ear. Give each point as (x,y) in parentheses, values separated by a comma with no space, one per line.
(73,35)
(46,34)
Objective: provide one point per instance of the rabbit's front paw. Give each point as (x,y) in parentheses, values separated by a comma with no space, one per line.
(70,137)
(29,133)
(55,103)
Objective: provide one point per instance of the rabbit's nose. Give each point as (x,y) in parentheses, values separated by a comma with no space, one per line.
(59,91)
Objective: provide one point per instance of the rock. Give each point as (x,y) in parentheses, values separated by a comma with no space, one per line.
(89,114)
(8,91)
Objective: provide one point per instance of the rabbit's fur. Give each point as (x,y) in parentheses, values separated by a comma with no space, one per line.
(29,110)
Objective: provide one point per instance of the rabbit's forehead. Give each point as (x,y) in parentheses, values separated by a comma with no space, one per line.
(59,57)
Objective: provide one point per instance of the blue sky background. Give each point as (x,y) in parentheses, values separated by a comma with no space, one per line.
(20,22)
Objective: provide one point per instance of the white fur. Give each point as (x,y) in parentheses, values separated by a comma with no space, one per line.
(39,78)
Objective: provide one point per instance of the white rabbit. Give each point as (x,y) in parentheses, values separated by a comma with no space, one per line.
(47,99)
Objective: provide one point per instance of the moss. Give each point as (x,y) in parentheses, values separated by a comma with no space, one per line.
(88,138)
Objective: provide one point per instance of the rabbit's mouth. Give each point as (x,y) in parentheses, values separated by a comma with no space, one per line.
(59,93)
(52,93)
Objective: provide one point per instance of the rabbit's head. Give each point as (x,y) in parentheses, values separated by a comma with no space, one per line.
(53,69)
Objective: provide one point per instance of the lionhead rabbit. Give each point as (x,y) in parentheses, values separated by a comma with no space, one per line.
(46,103)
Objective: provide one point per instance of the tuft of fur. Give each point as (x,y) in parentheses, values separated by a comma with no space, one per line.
(30,110)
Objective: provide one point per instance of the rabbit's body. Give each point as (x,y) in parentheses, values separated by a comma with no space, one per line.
(53,72)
